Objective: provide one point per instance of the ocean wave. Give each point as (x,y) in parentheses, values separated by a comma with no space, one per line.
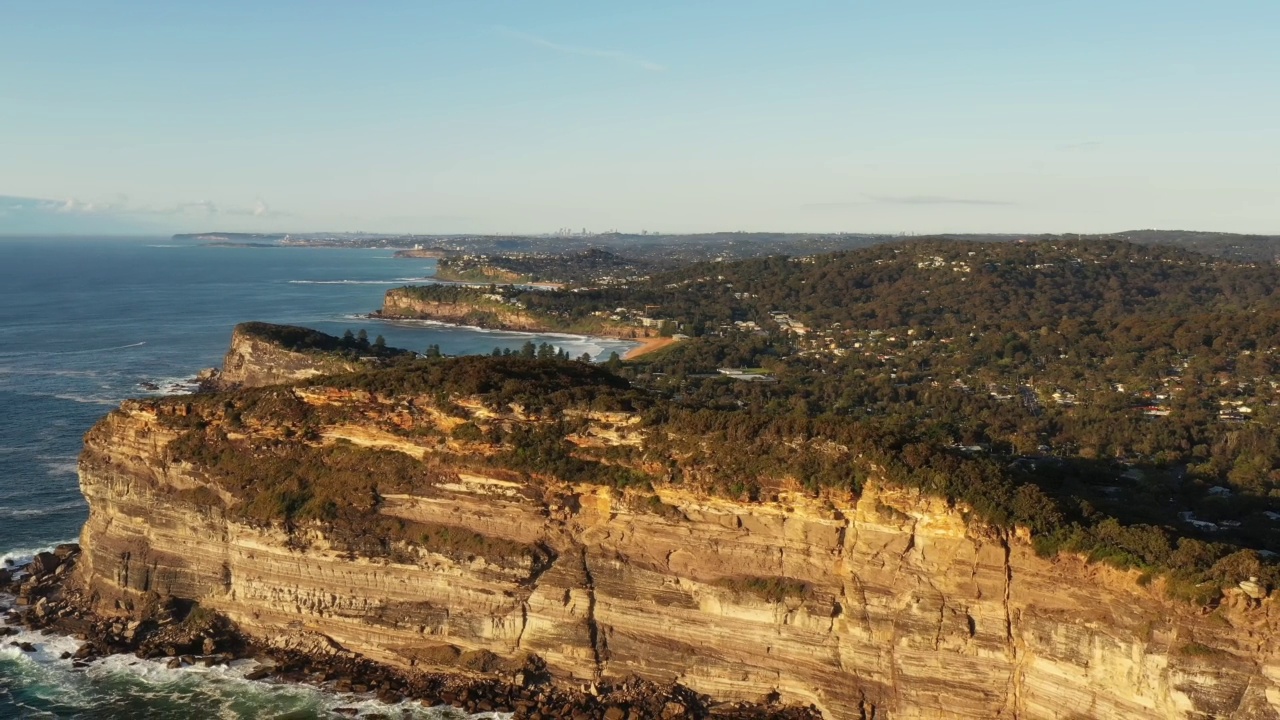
(22,556)
(93,350)
(50,372)
(397,281)
(171,386)
(414,323)
(63,467)
(10,512)
(85,399)
(44,679)
(33,353)
(596,341)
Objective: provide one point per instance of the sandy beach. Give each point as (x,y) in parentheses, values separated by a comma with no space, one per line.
(648,345)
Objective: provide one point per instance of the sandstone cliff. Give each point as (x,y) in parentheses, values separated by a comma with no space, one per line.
(403,303)
(265,354)
(886,605)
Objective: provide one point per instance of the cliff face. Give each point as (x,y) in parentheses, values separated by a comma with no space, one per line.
(400,304)
(254,360)
(888,605)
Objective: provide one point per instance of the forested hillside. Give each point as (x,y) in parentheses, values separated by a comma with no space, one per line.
(1116,397)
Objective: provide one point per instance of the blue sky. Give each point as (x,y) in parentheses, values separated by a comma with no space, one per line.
(479,116)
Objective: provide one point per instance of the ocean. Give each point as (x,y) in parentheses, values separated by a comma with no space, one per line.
(88,322)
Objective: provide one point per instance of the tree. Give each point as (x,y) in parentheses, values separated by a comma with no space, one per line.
(546,351)
(363,337)
(380,342)
(614,362)
(667,328)
(586,358)
(497,352)
(348,337)
(528,350)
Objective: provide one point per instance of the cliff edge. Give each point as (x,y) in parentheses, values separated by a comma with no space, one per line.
(418,514)
(267,354)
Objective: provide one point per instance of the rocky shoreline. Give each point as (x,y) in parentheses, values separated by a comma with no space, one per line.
(187,635)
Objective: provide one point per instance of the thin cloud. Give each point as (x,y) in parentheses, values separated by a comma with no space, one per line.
(613,55)
(933,200)
(1087,146)
(75,206)
(912,200)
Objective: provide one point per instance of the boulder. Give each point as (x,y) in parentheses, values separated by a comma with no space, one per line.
(1253,588)
(66,550)
(43,564)
(672,710)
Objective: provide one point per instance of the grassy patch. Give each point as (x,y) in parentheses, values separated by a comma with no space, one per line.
(770,588)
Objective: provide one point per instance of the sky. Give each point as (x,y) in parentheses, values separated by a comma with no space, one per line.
(455,116)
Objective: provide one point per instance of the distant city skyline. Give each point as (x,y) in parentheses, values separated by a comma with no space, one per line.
(503,117)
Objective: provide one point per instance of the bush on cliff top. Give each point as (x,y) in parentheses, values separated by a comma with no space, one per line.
(306,340)
(539,386)
(741,453)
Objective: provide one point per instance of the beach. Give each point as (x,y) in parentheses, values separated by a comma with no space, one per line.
(648,345)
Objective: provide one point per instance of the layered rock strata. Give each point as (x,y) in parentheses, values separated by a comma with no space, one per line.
(887,605)
(402,303)
(266,354)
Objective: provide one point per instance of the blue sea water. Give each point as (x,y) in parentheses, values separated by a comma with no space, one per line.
(84,322)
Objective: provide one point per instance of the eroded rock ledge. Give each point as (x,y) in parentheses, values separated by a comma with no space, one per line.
(181,634)
(885,605)
(265,354)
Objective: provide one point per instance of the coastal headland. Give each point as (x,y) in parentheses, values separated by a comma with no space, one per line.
(537,525)
(475,307)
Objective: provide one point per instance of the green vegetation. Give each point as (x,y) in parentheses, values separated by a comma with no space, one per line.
(544,451)
(463,543)
(306,340)
(1119,401)
(585,267)
(538,386)
(771,589)
(1195,649)
(498,307)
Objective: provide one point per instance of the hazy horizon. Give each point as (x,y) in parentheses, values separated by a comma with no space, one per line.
(501,118)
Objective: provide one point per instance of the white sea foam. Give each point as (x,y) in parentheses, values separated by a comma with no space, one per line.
(172,386)
(86,399)
(413,322)
(93,350)
(50,372)
(592,343)
(35,353)
(62,467)
(222,690)
(12,512)
(22,556)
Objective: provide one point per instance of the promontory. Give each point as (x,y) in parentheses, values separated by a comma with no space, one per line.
(416,512)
